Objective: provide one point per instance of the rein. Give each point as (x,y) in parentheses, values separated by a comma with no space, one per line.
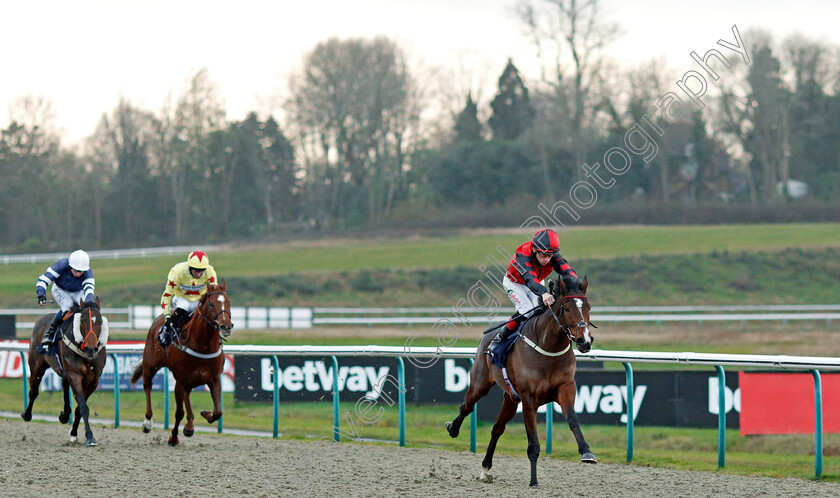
(213,324)
(567,330)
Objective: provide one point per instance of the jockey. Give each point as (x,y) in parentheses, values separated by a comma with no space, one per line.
(73,283)
(186,283)
(530,265)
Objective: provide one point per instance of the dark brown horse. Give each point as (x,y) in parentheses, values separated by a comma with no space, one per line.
(194,360)
(541,369)
(79,360)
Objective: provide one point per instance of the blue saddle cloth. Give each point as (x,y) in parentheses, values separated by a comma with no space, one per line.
(498,356)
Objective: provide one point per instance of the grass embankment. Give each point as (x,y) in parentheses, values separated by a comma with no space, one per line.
(732,264)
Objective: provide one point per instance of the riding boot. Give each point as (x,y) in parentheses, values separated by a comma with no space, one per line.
(509,328)
(49,335)
(179,316)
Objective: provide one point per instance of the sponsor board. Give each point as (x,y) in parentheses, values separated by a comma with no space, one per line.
(671,399)
(783,403)
(11,366)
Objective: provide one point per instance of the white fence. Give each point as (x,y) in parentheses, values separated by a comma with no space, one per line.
(140,317)
(115,254)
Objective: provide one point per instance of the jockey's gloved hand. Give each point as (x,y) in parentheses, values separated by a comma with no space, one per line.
(167,325)
(547,299)
(42,300)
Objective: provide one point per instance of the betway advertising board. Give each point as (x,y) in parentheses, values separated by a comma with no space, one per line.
(681,399)
(11,366)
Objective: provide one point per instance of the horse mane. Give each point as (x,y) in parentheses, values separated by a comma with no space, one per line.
(76,307)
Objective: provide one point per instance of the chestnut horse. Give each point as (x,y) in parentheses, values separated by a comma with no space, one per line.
(78,359)
(194,359)
(540,368)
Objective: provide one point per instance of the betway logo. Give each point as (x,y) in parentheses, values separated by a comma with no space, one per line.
(591,399)
(315,376)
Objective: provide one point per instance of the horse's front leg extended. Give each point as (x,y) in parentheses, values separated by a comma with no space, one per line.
(216,393)
(179,413)
(529,415)
(505,414)
(566,399)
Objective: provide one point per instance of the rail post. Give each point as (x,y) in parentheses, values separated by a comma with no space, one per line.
(401,380)
(336,419)
(276,362)
(116,390)
(165,398)
(818,450)
(721,417)
(24,376)
(628,375)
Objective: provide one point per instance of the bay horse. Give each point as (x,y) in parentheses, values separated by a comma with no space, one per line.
(79,359)
(540,368)
(195,359)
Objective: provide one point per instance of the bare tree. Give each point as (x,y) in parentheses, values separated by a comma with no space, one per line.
(569,37)
(354,107)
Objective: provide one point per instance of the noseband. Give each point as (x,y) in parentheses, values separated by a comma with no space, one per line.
(213,322)
(568,330)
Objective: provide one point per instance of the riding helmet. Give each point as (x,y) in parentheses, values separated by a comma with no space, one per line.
(198,260)
(546,241)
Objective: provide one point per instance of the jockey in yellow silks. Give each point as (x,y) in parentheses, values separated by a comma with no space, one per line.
(186,283)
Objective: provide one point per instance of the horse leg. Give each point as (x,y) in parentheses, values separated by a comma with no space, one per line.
(189,427)
(216,394)
(529,415)
(480,384)
(566,399)
(505,414)
(64,416)
(37,367)
(148,381)
(179,413)
(82,412)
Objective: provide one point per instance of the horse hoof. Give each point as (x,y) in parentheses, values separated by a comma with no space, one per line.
(173,440)
(91,442)
(452,434)
(73,439)
(63,417)
(26,417)
(208,416)
(588,458)
(147,425)
(534,484)
(189,432)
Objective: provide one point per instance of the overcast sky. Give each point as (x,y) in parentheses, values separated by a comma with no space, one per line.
(83,55)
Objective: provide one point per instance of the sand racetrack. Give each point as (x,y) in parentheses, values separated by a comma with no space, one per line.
(40,461)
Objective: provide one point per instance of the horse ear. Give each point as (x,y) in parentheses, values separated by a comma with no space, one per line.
(224,284)
(97,302)
(585,284)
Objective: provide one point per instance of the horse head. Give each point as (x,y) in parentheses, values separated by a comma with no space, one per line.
(90,328)
(572,308)
(215,309)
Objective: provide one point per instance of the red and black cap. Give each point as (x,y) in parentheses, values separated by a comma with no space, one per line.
(546,241)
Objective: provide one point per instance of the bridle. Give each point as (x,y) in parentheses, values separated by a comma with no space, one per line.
(80,348)
(568,330)
(214,322)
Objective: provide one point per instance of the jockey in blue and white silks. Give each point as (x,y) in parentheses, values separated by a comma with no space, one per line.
(72,282)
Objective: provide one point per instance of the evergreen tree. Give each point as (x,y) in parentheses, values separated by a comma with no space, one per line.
(512,109)
(467,126)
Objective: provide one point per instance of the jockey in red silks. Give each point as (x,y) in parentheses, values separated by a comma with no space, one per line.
(530,265)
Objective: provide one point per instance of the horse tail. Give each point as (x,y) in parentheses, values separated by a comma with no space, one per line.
(138,371)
